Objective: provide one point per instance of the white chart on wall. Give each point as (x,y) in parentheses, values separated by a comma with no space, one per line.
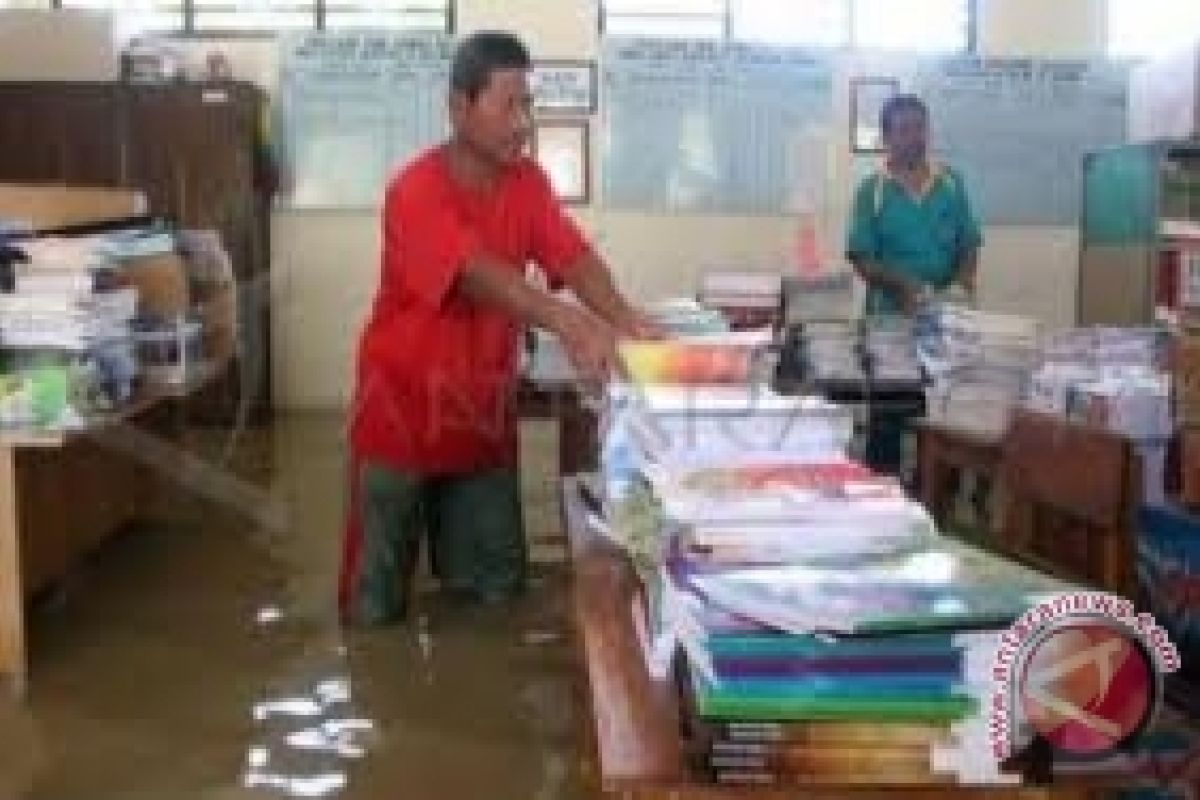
(709,127)
(713,127)
(354,107)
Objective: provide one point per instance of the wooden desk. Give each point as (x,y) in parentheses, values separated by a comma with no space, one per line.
(632,721)
(62,494)
(560,401)
(943,453)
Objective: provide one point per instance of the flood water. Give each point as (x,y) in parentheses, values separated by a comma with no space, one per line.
(199,657)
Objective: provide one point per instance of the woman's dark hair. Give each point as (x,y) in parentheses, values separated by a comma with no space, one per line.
(480,54)
(898,104)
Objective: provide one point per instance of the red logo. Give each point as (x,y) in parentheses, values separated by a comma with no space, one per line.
(1087,686)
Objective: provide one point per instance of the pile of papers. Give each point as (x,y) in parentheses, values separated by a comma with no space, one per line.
(980,364)
(891,350)
(67,318)
(686,317)
(72,322)
(831,353)
(1116,379)
(826,625)
(741,290)
(951,337)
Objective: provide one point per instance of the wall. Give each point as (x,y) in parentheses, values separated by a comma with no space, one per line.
(67,45)
(326,263)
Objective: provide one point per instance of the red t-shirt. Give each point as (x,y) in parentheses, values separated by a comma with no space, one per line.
(435,370)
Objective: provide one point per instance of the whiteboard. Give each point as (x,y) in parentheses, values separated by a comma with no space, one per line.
(714,127)
(1018,129)
(355,106)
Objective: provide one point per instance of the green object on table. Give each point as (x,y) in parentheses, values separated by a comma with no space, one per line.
(50,389)
(729,706)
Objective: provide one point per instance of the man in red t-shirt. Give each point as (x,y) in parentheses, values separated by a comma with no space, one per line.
(433,428)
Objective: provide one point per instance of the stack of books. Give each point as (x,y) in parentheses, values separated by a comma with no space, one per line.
(890,350)
(826,625)
(832,353)
(67,321)
(747,299)
(980,364)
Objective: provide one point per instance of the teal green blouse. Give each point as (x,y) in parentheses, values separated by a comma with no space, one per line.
(925,237)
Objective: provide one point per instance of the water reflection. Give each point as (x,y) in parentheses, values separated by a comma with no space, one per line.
(204,660)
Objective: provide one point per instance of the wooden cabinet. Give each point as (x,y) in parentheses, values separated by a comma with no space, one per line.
(195,150)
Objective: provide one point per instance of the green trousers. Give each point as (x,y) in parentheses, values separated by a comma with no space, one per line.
(475,530)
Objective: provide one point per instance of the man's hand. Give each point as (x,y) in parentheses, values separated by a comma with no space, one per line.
(912,296)
(635,325)
(591,344)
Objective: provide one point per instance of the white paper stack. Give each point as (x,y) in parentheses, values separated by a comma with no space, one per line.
(696,425)
(66,321)
(741,289)
(686,317)
(981,399)
(832,353)
(892,351)
(952,337)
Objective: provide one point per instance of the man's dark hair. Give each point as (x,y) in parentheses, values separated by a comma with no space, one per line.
(480,54)
(898,104)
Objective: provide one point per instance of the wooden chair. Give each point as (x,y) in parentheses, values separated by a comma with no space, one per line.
(1073,495)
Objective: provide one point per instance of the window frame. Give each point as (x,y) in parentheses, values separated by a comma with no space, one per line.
(188,30)
(970,46)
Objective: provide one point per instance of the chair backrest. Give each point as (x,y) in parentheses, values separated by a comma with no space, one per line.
(1073,493)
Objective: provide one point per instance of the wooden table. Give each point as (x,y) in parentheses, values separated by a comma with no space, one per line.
(944,452)
(632,721)
(559,400)
(62,493)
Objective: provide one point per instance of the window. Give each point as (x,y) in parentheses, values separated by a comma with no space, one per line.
(135,17)
(1149,28)
(432,15)
(252,15)
(814,23)
(695,19)
(240,16)
(927,26)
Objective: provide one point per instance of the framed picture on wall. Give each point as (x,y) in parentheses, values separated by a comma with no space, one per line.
(563,149)
(867,96)
(564,87)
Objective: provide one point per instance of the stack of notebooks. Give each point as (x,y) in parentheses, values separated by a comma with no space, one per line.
(890,350)
(831,353)
(950,337)
(747,298)
(827,628)
(686,317)
(66,312)
(817,614)
(980,364)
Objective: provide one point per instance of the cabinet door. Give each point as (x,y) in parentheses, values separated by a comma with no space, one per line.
(193,148)
(59,133)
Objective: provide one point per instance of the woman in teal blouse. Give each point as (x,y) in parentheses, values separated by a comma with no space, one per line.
(912,228)
(912,233)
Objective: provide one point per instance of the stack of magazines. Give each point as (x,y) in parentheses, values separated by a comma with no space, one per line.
(825,624)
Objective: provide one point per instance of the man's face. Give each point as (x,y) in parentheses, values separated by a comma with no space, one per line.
(907,138)
(498,121)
